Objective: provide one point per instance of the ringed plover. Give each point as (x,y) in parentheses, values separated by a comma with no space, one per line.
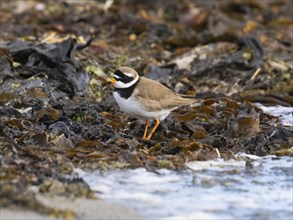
(144,98)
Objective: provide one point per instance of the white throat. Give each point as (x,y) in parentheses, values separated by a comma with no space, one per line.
(121,85)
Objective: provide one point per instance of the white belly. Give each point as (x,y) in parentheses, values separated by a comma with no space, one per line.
(133,108)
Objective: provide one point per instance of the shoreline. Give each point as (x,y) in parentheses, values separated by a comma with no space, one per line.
(83,208)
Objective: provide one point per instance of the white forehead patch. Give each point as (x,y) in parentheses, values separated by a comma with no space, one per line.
(115,76)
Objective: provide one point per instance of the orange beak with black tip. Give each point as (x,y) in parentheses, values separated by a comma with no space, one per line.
(113,81)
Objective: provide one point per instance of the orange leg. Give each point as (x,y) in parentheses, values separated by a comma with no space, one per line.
(146,129)
(154,129)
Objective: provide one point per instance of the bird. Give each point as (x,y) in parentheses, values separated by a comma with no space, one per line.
(146,99)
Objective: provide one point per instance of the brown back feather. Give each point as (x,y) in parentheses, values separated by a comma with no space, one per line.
(157,96)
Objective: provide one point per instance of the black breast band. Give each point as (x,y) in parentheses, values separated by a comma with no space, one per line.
(126,92)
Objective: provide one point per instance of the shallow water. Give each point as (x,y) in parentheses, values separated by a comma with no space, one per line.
(284,113)
(248,188)
(210,189)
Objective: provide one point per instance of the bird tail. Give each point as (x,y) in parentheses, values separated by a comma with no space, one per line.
(189,100)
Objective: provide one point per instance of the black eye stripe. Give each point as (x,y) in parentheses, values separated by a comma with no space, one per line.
(120,76)
(119,73)
(126,80)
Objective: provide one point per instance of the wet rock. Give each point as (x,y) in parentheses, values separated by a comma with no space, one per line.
(59,128)
(6,65)
(56,61)
(92,132)
(164,74)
